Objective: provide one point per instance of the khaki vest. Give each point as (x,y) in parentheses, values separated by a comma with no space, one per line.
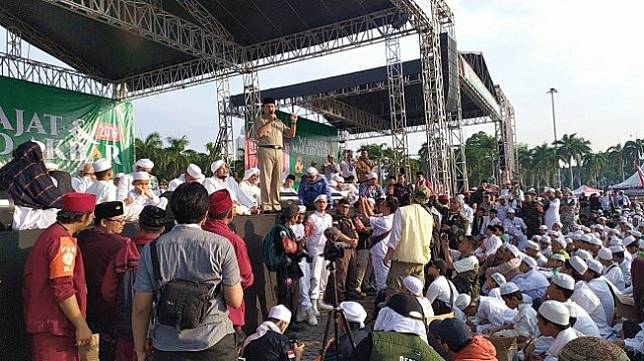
(415,235)
(394,346)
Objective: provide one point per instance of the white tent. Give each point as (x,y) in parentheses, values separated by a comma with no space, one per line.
(586,190)
(636,181)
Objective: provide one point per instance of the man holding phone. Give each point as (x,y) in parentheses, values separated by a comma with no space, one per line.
(269,343)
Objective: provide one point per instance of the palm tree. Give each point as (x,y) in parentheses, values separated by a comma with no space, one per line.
(176,156)
(570,148)
(545,162)
(594,164)
(634,151)
(616,156)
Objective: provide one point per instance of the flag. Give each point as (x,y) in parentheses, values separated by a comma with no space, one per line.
(640,173)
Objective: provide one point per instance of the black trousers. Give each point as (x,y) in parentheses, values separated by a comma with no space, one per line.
(224,350)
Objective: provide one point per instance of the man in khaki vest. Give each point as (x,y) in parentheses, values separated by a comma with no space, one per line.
(269,132)
(409,241)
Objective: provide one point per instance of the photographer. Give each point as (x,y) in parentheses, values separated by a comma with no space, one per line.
(269,343)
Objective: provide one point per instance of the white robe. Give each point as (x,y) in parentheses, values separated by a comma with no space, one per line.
(586,299)
(584,323)
(614,274)
(81,184)
(600,287)
(214,184)
(30,218)
(559,342)
(552,214)
(176,182)
(105,191)
(141,201)
(533,283)
(494,311)
(251,191)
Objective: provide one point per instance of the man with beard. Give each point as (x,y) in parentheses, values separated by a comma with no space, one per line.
(532,213)
(84,179)
(269,132)
(221,179)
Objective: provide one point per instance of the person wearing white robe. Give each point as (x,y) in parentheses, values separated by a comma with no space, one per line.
(489,246)
(552,213)
(490,312)
(600,286)
(84,179)
(222,180)
(530,281)
(141,195)
(611,270)
(554,321)
(124,185)
(532,249)
(249,186)
(192,174)
(104,187)
(561,289)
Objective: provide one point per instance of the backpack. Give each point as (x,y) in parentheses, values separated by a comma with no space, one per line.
(274,259)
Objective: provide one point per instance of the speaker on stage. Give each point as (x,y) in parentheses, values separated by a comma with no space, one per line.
(6,211)
(449,60)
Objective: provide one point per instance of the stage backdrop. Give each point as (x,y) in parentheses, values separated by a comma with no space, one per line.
(312,143)
(74,127)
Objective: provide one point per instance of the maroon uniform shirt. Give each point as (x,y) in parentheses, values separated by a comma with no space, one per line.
(637,278)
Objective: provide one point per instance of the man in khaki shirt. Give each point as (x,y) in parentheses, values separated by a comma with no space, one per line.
(269,132)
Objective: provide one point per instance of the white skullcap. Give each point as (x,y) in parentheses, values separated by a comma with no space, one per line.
(321,197)
(102,165)
(144,163)
(561,241)
(586,238)
(596,241)
(338,179)
(372,175)
(564,281)
(280,312)
(598,226)
(532,245)
(578,264)
(616,249)
(311,171)
(333,183)
(526,299)
(51,166)
(216,165)
(301,209)
(615,242)
(194,171)
(513,249)
(545,239)
(558,257)
(371,201)
(568,240)
(354,312)
(595,266)
(119,175)
(543,227)
(413,285)
(536,238)
(140,176)
(530,262)
(462,301)
(555,312)
(511,211)
(583,254)
(498,278)
(629,240)
(250,172)
(507,288)
(605,254)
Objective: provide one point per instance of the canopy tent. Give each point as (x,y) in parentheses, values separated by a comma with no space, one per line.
(633,182)
(586,190)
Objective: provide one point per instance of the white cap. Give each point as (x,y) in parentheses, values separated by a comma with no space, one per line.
(561,241)
(321,197)
(51,166)
(572,309)
(595,266)
(311,171)
(530,262)
(507,288)
(144,163)
(301,209)
(498,278)
(102,165)
(616,249)
(578,264)
(513,249)
(543,227)
(596,241)
(558,257)
(140,176)
(555,312)
(280,312)
(629,240)
(216,165)
(194,171)
(615,242)
(586,238)
(250,172)
(564,281)
(532,245)
(413,285)
(545,239)
(605,254)
(462,301)
(354,312)
(583,254)
(511,211)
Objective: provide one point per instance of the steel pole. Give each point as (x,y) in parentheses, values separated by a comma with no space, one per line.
(552,92)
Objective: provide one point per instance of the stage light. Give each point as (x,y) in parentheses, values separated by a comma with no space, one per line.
(400,19)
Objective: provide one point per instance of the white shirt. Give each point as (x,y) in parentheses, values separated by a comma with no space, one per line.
(614,274)
(214,184)
(496,293)
(559,342)
(502,212)
(124,187)
(176,182)
(600,287)
(81,184)
(443,290)
(285,190)
(105,191)
(251,191)
(380,225)
(515,227)
(489,246)
(625,266)
(428,310)
(533,283)
(494,311)
(466,264)
(552,214)
(317,223)
(468,212)
(298,231)
(586,299)
(584,323)
(141,200)
(492,221)
(525,322)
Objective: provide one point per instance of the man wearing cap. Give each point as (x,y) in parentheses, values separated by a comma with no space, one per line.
(313,185)
(355,315)
(465,265)
(141,194)
(103,188)
(289,182)
(315,225)
(516,228)
(220,215)
(552,204)
(509,256)
(561,289)
(54,291)
(304,309)
(85,177)
(533,250)
(269,133)
(409,241)
(623,260)
(611,270)
(370,188)
(99,246)
(269,343)
(221,179)
(524,324)
(530,281)
(600,286)
(249,187)
(490,312)
(191,174)
(414,287)
(532,212)
(554,321)
(459,342)
(348,165)
(124,185)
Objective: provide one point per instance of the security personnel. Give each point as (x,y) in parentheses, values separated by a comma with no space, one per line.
(54,292)
(269,132)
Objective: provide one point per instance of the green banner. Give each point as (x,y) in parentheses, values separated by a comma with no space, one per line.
(75,127)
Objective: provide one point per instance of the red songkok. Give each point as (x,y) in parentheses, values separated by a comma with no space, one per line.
(79,202)
(220,202)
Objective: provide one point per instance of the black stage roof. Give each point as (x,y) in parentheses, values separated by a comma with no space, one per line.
(113,54)
(373,94)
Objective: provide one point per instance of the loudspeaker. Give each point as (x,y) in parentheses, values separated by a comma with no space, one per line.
(449,61)
(6,211)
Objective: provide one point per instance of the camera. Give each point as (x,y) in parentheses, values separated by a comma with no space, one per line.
(333,251)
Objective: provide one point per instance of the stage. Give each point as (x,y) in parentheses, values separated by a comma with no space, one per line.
(15,246)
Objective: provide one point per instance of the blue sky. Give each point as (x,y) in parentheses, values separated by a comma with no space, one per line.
(589,50)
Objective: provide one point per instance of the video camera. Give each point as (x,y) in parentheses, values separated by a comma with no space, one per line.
(333,251)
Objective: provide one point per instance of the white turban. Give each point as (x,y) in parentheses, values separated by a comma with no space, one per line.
(144,163)
(216,165)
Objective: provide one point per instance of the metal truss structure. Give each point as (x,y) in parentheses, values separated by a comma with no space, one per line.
(14,43)
(505,132)
(457,144)
(252,101)
(397,108)
(224,146)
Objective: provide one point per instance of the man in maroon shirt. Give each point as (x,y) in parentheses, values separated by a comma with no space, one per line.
(220,215)
(54,293)
(99,246)
(637,279)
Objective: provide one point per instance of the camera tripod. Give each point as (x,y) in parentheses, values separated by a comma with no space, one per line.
(334,314)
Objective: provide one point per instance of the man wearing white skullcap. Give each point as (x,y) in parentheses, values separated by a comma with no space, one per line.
(221,179)
(600,286)
(554,321)
(316,223)
(103,188)
(533,250)
(124,185)
(312,185)
(141,194)
(490,312)
(561,289)
(414,287)
(623,260)
(516,228)
(249,186)
(524,324)
(356,315)
(611,271)
(269,343)
(494,283)
(84,178)
(191,174)
(531,281)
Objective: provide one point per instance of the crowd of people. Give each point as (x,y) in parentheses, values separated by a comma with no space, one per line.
(448,274)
